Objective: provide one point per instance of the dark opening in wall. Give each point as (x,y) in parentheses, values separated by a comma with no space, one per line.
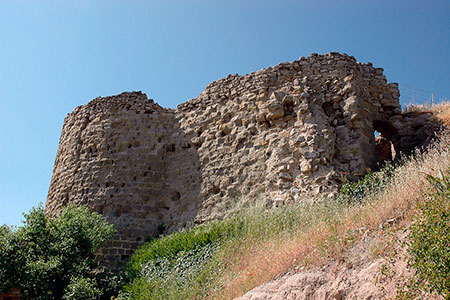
(385,135)
(328,108)
(169,147)
(175,196)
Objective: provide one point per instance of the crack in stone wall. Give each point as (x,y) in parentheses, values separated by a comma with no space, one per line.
(275,135)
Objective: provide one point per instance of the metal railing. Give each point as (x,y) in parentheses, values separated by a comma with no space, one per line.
(414,96)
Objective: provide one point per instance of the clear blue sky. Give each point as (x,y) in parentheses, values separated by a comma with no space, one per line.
(56,55)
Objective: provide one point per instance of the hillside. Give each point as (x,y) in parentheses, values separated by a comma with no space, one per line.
(352,248)
(376,265)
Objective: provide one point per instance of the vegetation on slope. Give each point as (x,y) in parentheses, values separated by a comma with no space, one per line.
(429,241)
(224,259)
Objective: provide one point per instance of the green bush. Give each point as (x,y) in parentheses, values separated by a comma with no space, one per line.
(182,277)
(47,256)
(81,288)
(429,240)
(371,183)
(179,265)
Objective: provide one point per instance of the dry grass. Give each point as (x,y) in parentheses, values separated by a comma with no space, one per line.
(328,236)
(441,110)
(418,108)
(426,107)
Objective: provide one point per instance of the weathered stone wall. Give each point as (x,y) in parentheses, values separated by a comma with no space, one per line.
(275,135)
(287,130)
(118,156)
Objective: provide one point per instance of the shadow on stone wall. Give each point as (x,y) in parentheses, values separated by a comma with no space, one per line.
(126,158)
(417,130)
(406,133)
(162,195)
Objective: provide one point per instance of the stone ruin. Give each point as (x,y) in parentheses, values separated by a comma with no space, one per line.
(277,135)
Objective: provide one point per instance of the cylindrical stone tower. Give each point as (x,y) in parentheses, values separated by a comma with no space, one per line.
(114,156)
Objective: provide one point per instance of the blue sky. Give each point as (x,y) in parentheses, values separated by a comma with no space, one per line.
(56,55)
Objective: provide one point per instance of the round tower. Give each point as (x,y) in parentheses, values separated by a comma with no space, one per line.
(113,157)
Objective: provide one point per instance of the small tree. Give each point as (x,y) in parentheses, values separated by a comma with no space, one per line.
(46,257)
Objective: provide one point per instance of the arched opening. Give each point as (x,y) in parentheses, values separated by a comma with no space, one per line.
(385,136)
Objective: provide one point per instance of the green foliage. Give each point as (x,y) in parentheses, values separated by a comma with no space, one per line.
(170,247)
(182,277)
(188,264)
(45,256)
(371,183)
(81,289)
(171,266)
(429,240)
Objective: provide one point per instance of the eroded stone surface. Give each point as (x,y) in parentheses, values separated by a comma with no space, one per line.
(274,135)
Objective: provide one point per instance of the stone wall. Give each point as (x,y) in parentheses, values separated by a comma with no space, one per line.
(122,157)
(277,135)
(287,130)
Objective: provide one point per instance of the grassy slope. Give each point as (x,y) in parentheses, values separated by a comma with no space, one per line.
(224,259)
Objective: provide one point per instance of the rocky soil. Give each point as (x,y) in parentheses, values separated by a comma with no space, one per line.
(372,269)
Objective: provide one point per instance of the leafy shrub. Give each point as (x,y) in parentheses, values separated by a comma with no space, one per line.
(81,289)
(48,256)
(173,266)
(182,277)
(371,183)
(429,239)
